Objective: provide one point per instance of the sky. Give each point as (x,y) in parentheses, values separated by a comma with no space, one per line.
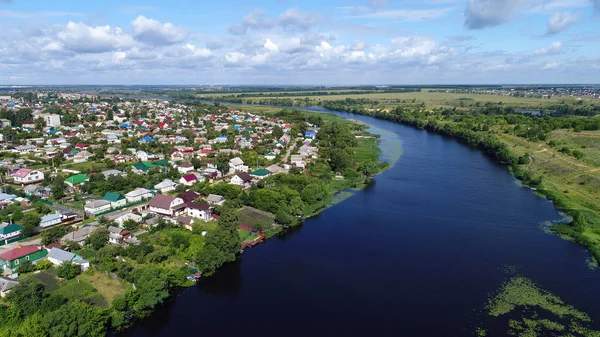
(299,42)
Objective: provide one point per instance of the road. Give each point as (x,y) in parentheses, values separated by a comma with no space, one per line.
(36,241)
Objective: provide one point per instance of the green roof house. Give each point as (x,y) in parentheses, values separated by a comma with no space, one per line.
(260,173)
(162,162)
(143,166)
(116,199)
(270,156)
(9,232)
(11,259)
(75,180)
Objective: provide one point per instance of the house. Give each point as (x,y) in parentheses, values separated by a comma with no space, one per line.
(274,169)
(116,199)
(24,149)
(9,232)
(110,173)
(270,156)
(37,191)
(188,196)
(27,176)
(75,180)
(185,221)
(123,217)
(237,165)
(96,206)
(189,180)
(167,205)
(260,173)
(6,199)
(6,284)
(215,199)
(11,259)
(243,180)
(58,256)
(49,220)
(143,166)
(165,186)
(117,235)
(199,211)
(310,134)
(82,157)
(185,168)
(79,235)
(138,194)
(298,161)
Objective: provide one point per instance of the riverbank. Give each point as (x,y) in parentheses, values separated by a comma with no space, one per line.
(548,167)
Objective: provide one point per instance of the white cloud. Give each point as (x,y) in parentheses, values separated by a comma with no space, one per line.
(155,33)
(550,65)
(489,13)
(556,47)
(404,15)
(271,46)
(559,22)
(82,38)
(291,20)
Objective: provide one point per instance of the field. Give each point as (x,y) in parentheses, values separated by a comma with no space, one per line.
(107,286)
(575,183)
(250,217)
(429,98)
(271,111)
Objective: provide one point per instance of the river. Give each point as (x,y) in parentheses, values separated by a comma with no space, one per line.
(416,253)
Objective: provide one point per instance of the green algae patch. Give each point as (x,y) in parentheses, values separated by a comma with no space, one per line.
(530,311)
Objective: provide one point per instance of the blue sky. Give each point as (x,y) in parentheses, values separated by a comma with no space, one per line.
(299,42)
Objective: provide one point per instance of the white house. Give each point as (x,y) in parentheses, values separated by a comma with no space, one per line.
(141,155)
(241,179)
(58,256)
(237,165)
(185,168)
(215,199)
(127,216)
(167,205)
(24,149)
(138,194)
(165,186)
(9,231)
(96,206)
(27,176)
(189,180)
(50,220)
(199,211)
(82,157)
(298,161)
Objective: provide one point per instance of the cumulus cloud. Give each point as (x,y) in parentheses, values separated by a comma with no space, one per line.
(559,22)
(404,15)
(481,14)
(291,20)
(155,33)
(554,48)
(81,38)
(550,65)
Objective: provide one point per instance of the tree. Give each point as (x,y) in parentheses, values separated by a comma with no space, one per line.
(152,285)
(25,267)
(97,239)
(76,319)
(131,225)
(54,234)
(222,162)
(68,270)
(43,265)
(29,223)
(26,297)
(58,187)
(39,123)
(277,132)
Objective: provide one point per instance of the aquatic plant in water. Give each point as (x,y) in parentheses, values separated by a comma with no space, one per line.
(534,312)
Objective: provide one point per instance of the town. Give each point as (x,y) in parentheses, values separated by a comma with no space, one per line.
(114,198)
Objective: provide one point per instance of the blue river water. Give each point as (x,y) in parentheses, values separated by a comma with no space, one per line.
(416,253)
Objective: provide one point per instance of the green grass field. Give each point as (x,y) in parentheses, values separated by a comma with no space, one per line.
(429,98)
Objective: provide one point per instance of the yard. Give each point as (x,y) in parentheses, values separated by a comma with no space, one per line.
(251,217)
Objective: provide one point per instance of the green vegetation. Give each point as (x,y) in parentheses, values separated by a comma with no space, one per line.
(539,312)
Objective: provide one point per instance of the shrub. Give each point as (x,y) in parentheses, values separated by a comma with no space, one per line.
(25,267)
(43,265)
(68,271)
